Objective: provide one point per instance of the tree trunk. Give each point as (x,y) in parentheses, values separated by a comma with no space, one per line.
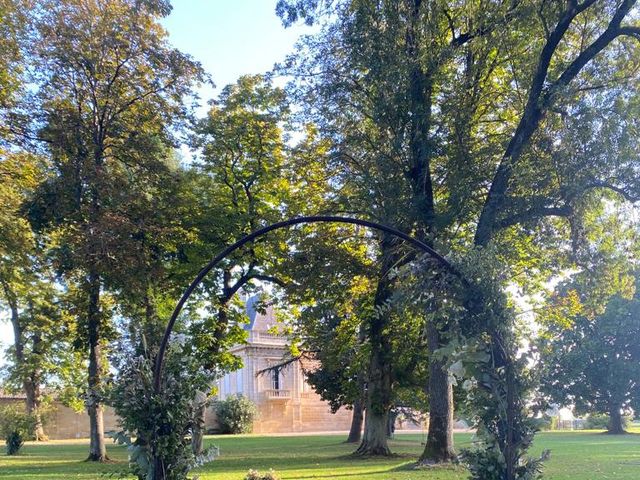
(391,423)
(615,426)
(159,471)
(30,383)
(355,433)
(97,447)
(379,382)
(32,390)
(439,446)
(200,417)
(374,442)
(34,400)
(357,420)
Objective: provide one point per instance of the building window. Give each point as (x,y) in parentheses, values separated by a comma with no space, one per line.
(275,379)
(239,382)
(227,384)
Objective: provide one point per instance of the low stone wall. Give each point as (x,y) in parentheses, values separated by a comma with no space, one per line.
(65,423)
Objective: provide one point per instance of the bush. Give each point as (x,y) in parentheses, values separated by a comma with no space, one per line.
(159,425)
(597,421)
(14,443)
(600,421)
(16,426)
(256,475)
(547,422)
(236,414)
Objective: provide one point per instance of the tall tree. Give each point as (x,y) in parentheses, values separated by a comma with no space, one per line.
(592,363)
(27,288)
(484,106)
(588,356)
(111,96)
(245,186)
(332,282)
(13,28)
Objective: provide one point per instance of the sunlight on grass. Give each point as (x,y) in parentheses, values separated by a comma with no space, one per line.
(575,456)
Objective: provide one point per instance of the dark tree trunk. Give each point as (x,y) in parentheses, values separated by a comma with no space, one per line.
(374,441)
(34,399)
(97,447)
(439,446)
(159,471)
(391,423)
(440,438)
(616,425)
(33,394)
(355,432)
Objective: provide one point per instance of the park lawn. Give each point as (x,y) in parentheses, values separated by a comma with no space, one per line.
(575,456)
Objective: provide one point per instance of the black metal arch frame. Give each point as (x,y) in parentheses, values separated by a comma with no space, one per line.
(443,262)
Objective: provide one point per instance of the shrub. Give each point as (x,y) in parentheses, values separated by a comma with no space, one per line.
(158,425)
(256,475)
(597,421)
(548,422)
(16,426)
(600,421)
(236,414)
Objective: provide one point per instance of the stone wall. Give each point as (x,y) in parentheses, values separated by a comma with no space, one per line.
(309,414)
(65,423)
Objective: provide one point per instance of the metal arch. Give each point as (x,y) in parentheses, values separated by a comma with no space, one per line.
(157,372)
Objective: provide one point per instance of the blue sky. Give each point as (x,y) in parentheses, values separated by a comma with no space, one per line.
(230,38)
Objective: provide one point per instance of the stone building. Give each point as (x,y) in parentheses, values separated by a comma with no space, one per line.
(286,403)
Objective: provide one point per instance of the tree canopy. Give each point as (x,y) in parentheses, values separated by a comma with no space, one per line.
(501,133)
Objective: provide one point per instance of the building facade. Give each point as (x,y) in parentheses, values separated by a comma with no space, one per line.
(286,402)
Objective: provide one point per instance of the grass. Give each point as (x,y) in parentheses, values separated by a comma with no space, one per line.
(575,456)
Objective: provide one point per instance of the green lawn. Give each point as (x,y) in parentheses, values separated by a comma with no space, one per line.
(580,455)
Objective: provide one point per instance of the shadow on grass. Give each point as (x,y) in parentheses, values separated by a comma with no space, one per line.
(405,467)
(356,456)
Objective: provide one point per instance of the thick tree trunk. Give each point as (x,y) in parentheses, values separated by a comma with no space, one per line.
(616,426)
(355,432)
(159,471)
(97,447)
(34,401)
(439,446)
(374,441)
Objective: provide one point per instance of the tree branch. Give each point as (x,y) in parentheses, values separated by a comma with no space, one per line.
(534,213)
(304,355)
(270,279)
(630,31)
(612,31)
(538,103)
(480,31)
(619,190)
